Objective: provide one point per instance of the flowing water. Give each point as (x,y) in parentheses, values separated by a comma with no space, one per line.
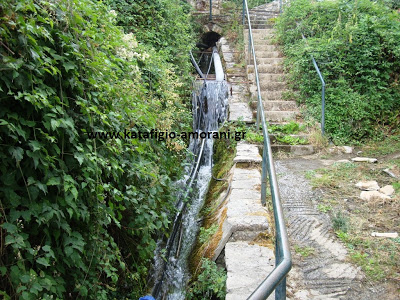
(209,102)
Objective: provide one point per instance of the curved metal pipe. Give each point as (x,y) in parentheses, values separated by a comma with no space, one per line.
(219,71)
(196,66)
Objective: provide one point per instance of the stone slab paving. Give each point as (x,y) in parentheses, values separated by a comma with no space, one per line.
(238,103)
(247,262)
(247,153)
(247,266)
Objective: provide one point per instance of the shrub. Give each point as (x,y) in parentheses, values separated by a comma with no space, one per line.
(355,46)
(79,215)
(210,283)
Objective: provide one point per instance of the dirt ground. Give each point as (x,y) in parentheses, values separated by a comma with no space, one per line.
(329,226)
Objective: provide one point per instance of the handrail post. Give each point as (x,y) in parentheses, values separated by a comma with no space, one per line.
(210,18)
(264,178)
(280,290)
(323,110)
(321,78)
(243,14)
(322,95)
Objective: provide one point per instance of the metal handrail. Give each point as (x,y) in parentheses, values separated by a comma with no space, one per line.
(276,280)
(321,78)
(210,17)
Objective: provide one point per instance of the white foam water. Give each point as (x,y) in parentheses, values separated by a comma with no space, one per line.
(209,102)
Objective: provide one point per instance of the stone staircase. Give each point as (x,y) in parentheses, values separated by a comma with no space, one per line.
(277,109)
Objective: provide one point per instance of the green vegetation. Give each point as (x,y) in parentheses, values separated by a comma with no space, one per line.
(289,128)
(340,222)
(304,251)
(356,46)
(205,234)
(251,3)
(324,207)
(233,29)
(368,255)
(282,133)
(79,216)
(355,219)
(210,283)
(162,24)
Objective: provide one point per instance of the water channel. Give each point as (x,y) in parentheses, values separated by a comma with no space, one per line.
(209,105)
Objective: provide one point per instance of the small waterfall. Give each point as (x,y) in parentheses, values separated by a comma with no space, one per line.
(209,102)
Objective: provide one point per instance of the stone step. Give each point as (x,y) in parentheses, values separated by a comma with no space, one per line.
(272,86)
(263,77)
(268,61)
(294,149)
(275,69)
(261,53)
(266,13)
(260,32)
(281,105)
(264,30)
(247,264)
(260,26)
(261,36)
(264,42)
(272,95)
(246,153)
(259,39)
(273,137)
(278,116)
(259,19)
(239,111)
(267,95)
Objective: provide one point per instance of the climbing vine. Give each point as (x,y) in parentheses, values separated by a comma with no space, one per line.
(79,216)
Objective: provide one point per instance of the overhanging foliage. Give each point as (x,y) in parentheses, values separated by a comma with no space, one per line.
(79,215)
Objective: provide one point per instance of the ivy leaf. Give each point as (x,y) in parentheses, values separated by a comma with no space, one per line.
(3,271)
(54,124)
(54,181)
(46,248)
(25,278)
(41,187)
(17,153)
(11,228)
(35,145)
(68,66)
(34,54)
(43,261)
(79,157)
(3,122)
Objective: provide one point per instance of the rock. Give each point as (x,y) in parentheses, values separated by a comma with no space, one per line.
(347,149)
(388,190)
(342,161)
(373,195)
(332,149)
(368,185)
(340,149)
(364,159)
(392,235)
(390,173)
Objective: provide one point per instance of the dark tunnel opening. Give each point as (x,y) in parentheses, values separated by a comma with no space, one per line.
(209,39)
